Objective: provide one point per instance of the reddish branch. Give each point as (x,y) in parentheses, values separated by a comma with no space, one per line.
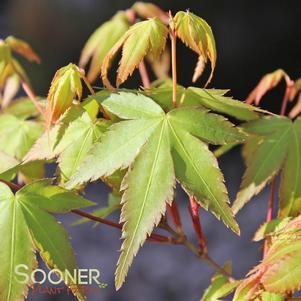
(144,75)
(269,216)
(153,237)
(195,218)
(173,38)
(11,185)
(175,215)
(27,89)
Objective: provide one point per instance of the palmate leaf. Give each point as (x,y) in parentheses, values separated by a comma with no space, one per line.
(140,39)
(26,225)
(158,147)
(275,146)
(16,246)
(69,142)
(101,41)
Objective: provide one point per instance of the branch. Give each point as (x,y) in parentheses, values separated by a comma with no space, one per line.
(153,237)
(11,185)
(27,89)
(269,216)
(202,256)
(286,98)
(175,215)
(144,75)
(194,214)
(173,38)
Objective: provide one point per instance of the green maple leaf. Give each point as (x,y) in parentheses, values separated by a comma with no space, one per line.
(274,146)
(159,148)
(26,226)
(69,142)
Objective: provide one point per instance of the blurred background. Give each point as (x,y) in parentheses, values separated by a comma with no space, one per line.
(253,38)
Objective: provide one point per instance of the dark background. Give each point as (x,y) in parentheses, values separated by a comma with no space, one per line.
(253,38)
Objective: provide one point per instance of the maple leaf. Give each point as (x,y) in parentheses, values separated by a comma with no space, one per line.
(69,141)
(159,148)
(274,145)
(140,39)
(26,226)
(197,35)
(101,41)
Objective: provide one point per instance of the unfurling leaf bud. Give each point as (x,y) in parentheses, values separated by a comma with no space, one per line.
(65,86)
(146,37)
(195,33)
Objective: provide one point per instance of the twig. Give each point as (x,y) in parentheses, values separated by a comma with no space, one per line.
(175,215)
(269,216)
(202,256)
(144,75)
(27,89)
(173,38)
(286,99)
(195,218)
(153,237)
(11,185)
